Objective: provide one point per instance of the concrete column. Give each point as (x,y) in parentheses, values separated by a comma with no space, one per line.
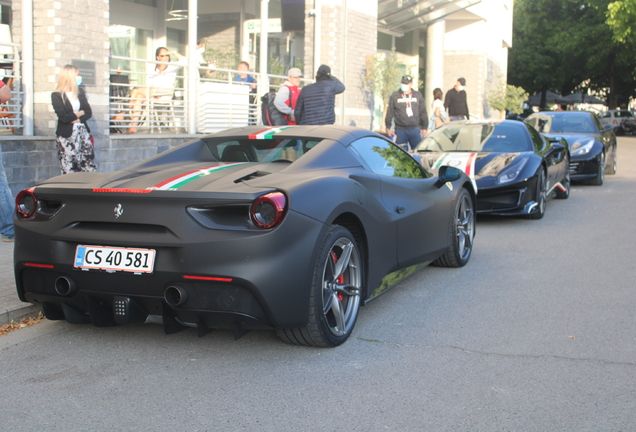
(435,34)
(263,83)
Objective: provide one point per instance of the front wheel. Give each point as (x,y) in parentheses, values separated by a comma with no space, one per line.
(462,232)
(612,169)
(540,197)
(600,175)
(335,294)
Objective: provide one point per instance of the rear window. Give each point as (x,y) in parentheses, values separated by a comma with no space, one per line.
(259,150)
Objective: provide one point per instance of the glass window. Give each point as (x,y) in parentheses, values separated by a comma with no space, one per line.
(387,159)
(537,139)
(132,42)
(259,150)
(487,137)
(152,3)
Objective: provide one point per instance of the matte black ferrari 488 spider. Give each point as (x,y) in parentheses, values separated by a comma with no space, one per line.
(592,145)
(290,228)
(513,167)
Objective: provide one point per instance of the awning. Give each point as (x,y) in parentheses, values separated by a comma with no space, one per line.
(397,17)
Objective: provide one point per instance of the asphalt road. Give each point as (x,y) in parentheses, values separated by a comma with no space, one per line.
(536,333)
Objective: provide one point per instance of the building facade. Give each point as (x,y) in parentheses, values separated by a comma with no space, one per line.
(437,41)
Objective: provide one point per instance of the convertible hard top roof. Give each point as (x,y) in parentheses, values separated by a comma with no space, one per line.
(333,132)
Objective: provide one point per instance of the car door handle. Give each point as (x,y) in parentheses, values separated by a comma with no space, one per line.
(400,209)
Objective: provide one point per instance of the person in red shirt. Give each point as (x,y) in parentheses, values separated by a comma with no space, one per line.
(287,95)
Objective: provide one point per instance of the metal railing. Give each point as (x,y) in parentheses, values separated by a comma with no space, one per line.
(11,111)
(222,102)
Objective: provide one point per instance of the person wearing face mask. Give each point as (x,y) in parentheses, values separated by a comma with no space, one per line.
(74,147)
(456,101)
(408,109)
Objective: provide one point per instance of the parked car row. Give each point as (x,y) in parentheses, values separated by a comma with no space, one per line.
(291,228)
(516,166)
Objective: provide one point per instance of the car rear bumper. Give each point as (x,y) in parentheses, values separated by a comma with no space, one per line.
(228,281)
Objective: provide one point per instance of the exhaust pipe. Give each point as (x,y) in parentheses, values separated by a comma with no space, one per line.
(175,295)
(64,286)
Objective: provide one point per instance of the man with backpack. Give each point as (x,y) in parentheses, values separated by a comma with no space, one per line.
(278,110)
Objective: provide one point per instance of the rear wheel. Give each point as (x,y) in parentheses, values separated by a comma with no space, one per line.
(540,197)
(335,295)
(600,175)
(462,232)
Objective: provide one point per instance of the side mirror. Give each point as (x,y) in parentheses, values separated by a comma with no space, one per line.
(608,127)
(447,174)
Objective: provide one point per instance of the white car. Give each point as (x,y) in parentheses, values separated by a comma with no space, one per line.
(615,118)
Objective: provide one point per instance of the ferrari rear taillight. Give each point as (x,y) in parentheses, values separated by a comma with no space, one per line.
(268,211)
(26,203)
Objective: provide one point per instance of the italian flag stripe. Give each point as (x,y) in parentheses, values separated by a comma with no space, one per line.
(267,133)
(470,164)
(440,161)
(183,179)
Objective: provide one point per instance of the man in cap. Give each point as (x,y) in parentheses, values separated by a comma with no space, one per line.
(455,101)
(316,102)
(408,109)
(287,95)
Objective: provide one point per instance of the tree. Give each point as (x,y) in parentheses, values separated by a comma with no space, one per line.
(382,77)
(621,18)
(507,98)
(567,46)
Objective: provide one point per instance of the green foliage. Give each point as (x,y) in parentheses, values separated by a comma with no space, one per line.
(507,98)
(621,17)
(382,77)
(567,46)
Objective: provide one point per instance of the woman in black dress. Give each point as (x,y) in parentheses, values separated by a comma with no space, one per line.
(74,146)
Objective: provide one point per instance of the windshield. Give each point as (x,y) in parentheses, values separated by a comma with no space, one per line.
(575,122)
(259,150)
(463,137)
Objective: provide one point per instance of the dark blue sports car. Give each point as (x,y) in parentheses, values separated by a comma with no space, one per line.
(592,145)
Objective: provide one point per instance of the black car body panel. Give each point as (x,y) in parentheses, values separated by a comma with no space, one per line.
(193,206)
(589,141)
(486,151)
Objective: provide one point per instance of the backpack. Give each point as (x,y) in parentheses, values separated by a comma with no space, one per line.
(270,115)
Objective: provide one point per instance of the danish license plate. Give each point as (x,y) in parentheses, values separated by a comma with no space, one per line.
(114,259)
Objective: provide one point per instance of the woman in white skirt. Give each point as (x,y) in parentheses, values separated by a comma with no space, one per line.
(74,146)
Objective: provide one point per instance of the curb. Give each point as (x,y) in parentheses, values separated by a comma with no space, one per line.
(25,310)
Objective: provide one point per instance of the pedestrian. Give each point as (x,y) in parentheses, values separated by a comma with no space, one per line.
(74,146)
(438,116)
(6,199)
(244,79)
(456,101)
(287,95)
(408,109)
(316,103)
(161,79)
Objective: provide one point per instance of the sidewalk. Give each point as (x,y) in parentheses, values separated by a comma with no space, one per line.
(11,308)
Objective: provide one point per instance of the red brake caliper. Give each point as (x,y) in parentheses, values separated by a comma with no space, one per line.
(340,278)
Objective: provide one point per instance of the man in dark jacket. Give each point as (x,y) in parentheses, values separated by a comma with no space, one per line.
(408,109)
(455,101)
(315,105)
